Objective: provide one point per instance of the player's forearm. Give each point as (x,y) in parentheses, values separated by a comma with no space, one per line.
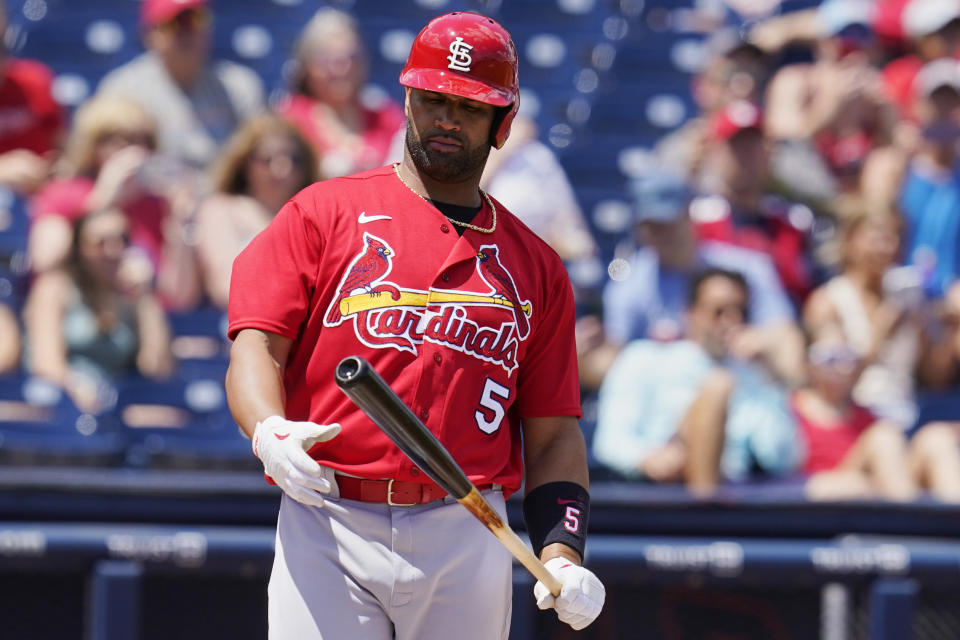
(254,380)
(560,550)
(554,451)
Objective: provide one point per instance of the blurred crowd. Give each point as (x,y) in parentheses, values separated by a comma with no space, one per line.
(786,305)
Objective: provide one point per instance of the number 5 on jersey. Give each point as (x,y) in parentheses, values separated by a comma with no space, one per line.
(492,399)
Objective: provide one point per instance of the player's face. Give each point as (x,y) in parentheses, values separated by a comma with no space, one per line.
(448,137)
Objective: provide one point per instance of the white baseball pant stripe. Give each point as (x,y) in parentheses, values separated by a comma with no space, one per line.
(360,570)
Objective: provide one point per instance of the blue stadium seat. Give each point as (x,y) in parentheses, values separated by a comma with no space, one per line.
(39,425)
(203,321)
(938,406)
(14,226)
(199,336)
(180,423)
(571,16)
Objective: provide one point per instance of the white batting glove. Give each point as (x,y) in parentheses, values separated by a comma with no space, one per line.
(581,595)
(282,447)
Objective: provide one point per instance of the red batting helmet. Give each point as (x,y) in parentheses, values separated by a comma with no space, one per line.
(467,55)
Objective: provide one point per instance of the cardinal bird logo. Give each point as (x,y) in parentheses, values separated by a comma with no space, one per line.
(368,267)
(493,273)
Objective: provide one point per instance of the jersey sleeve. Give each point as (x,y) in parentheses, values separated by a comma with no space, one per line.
(274,277)
(548,383)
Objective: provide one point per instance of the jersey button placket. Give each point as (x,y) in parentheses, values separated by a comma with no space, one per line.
(445,228)
(424,413)
(438,359)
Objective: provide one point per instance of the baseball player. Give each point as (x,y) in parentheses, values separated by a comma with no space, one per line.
(470,318)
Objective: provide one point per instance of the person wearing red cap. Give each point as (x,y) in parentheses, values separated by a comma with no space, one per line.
(197,102)
(930,189)
(932,31)
(32,124)
(834,107)
(469,317)
(737,206)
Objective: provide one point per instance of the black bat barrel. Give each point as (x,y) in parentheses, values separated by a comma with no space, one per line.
(364,386)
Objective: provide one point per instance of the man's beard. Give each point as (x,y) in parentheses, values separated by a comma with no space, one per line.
(446,167)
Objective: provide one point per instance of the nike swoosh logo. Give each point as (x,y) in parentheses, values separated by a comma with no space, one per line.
(282,436)
(363,217)
(562,501)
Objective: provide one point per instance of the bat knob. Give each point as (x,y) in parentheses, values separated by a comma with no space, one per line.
(350,369)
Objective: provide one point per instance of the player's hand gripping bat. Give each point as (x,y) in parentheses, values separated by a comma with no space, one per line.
(374,397)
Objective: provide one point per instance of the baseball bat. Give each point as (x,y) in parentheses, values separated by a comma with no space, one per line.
(364,386)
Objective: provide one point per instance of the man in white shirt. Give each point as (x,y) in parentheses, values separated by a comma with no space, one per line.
(198,103)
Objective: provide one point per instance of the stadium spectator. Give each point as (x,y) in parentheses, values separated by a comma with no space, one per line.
(848,452)
(90,321)
(262,166)
(836,103)
(738,206)
(951,321)
(936,446)
(198,103)
(691,410)
(648,298)
(351,130)
(888,25)
(932,28)
(930,197)
(31,122)
(735,69)
(879,311)
(911,82)
(110,162)
(10,339)
(647,294)
(554,214)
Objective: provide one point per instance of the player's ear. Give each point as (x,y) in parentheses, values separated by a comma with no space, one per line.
(406,101)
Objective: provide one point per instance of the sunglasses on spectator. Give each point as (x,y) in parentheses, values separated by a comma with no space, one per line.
(111,238)
(189,20)
(294,157)
(125,138)
(822,355)
(338,62)
(722,310)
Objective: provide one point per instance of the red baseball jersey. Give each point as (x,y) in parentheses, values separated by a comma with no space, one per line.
(473,332)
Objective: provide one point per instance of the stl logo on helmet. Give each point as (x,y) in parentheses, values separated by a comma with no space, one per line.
(460,58)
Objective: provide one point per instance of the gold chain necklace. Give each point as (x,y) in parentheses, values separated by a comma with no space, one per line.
(493,209)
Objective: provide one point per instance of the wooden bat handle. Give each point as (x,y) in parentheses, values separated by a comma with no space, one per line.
(480,508)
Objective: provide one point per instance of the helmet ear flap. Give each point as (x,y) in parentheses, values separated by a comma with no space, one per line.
(498,119)
(502,120)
